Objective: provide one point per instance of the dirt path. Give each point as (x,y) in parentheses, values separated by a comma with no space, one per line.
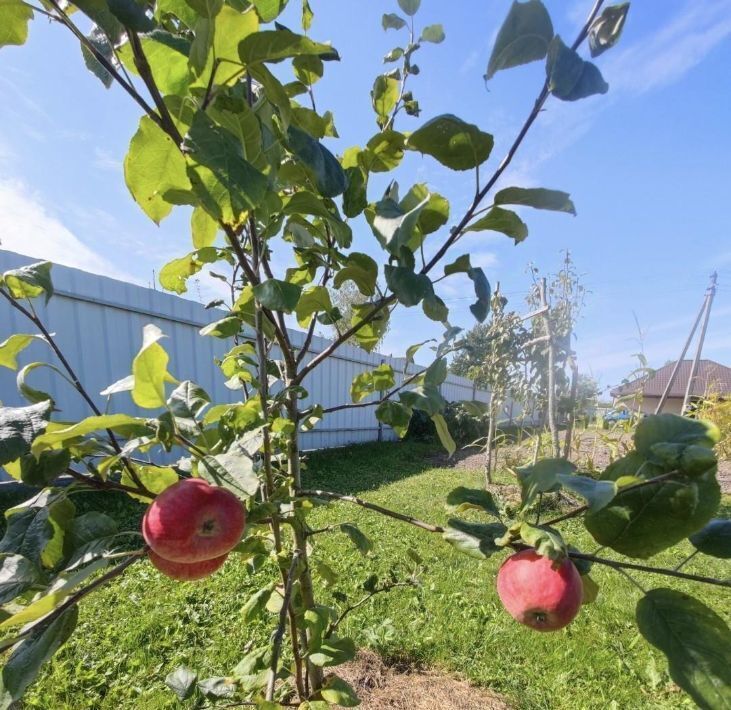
(596,450)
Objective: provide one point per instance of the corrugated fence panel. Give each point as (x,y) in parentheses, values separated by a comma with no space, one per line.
(98,324)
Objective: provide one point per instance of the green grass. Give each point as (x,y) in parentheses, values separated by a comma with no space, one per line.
(134,632)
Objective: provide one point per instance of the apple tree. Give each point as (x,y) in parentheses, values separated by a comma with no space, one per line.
(229,130)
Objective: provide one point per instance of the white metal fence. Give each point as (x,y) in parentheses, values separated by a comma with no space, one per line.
(98,324)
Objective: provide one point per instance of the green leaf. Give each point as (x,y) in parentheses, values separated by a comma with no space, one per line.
(155,478)
(332,652)
(235,469)
(546,541)
(501,220)
(644,521)
(201,45)
(432,216)
(203,228)
(361,541)
(460,499)
(714,539)
(393,225)
(409,287)
(435,309)
(13,346)
(175,274)
(91,527)
(570,78)
(61,434)
(27,658)
(131,15)
(443,433)
(460,265)
(453,142)
(99,40)
(273,45)
(232,185)
(225,328)
(370,333)
(256,604)
(394,55)
(384,96)
(188,400)
(269,10)
(391,21)
(206,8)
(474,539)
(19,426)
(37,529)
(396,415)
(696,641)
(278,295)
(606,30)
(39,472)
(182,682)
(14,18)
(323,165)
(433,33)
(426,398)
(307,15)
(149,369)
(337,692)
(598,494)
(312,300)
(218,687)
(366,383)
(383,153)
(362,270)
(481,307)
(541,477)
(167,55)
(100,14)
(524,37)
(355,198)
(16,575)
(30,281)
(590,589)
(308,68)
(675,429)
(410,7)
(154,165)
(537,197)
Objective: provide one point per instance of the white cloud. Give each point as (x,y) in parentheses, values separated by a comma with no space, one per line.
(671,52)
(106,161)
(27,227)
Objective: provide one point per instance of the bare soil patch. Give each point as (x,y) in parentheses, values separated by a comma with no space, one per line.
(408,687)
(595,451)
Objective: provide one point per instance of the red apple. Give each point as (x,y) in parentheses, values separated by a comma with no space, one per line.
(193,521)
(183,571)
(536,594)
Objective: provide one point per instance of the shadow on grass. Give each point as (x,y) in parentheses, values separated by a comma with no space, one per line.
(363,467)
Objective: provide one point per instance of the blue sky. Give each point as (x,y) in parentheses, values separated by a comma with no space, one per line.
(647,165)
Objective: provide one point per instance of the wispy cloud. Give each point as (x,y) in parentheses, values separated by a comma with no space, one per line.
(106,161)
(672,51)
(28,227)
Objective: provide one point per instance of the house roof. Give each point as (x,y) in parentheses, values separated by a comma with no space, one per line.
(710,378)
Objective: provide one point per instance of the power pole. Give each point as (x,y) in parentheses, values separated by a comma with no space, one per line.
(678,362)
(710,293)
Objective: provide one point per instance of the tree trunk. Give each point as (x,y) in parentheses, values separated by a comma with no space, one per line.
(572,406)
(551,384)
(490,440)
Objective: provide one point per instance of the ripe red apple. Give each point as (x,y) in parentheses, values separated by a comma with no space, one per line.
(536,594)
(183,571)
(193,521)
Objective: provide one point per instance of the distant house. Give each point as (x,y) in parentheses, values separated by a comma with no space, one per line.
(710,378)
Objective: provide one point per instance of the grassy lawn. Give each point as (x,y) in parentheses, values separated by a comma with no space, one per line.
(134,632)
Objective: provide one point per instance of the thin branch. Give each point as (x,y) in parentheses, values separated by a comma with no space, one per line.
(457,231)
(38,323)
(375,402)
(385,588)
(372,506)
(652,570)
(108,66)
(106,485)
(279,633)
(145,71)
(583,508)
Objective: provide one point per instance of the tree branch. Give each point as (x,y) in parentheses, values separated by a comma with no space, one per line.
(375,402)
(385,588)
(372,506)
(279,633)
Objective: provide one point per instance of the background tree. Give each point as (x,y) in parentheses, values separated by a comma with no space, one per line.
(347,299)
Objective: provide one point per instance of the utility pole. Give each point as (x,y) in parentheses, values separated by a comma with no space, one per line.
(678,362)
(710,293)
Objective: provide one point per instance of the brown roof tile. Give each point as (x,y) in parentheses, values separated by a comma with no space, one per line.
(710,378)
